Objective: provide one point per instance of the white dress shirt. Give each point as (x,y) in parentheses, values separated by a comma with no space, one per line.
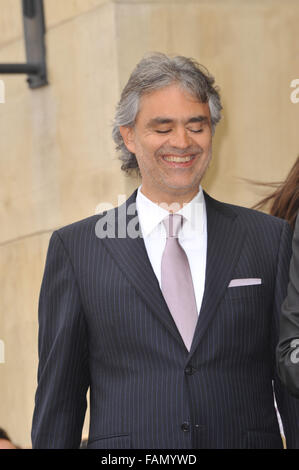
(192,237)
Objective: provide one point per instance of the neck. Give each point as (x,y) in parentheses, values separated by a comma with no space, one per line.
(170,202)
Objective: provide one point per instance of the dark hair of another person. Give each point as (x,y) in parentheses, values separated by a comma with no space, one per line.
(284,200)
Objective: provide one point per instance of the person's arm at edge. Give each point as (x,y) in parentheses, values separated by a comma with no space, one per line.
(288,406)
(287,354)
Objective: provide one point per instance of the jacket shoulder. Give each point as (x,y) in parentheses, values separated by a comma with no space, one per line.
(87,227)
(80,229)
(247,215)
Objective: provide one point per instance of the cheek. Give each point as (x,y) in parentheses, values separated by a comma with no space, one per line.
(206,141)
(147,152)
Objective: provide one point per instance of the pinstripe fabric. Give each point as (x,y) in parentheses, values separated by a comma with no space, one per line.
(103,323)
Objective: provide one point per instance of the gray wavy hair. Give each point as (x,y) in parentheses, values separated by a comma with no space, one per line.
(153,72)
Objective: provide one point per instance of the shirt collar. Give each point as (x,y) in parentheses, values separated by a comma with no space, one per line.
(151,214)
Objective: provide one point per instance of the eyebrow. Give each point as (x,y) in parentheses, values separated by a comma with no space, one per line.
(165,120)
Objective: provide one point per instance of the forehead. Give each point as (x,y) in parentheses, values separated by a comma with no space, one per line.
(173,102)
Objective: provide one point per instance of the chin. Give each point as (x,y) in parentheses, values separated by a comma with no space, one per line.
(184,186)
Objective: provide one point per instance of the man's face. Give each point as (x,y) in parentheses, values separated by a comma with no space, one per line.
(172,141)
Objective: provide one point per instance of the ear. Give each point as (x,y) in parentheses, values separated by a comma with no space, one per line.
(128,135)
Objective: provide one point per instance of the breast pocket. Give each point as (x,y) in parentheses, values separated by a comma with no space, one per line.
(244,318)
(246,292)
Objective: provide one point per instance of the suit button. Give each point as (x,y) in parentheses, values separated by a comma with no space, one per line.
(185,427)
(189,370)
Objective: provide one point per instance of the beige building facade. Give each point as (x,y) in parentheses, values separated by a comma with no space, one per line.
(57,158)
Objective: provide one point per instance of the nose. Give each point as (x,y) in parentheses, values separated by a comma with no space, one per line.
(180,138)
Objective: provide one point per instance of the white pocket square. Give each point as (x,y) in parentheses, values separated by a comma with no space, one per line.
(244,282)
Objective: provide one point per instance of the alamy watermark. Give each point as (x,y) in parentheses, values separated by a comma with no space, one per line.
(295,94)
(2,91)
(2,352)
(124,222)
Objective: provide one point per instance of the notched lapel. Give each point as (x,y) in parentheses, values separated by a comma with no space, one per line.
(126,246)
(225,241)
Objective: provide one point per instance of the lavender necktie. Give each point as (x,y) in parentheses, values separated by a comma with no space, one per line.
(176,281)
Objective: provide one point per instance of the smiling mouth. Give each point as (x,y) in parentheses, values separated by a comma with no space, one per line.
(176,159)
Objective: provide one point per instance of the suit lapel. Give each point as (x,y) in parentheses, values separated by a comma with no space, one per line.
(225,240)
(128,250)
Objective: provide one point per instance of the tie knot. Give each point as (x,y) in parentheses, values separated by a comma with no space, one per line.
(173,223)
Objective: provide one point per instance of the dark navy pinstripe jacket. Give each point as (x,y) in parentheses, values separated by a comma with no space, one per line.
(104,324)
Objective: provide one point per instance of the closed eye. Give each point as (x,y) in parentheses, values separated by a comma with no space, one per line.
(197,131)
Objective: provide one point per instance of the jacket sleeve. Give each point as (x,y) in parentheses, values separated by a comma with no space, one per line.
(288,346)
(63,375)
(288,406)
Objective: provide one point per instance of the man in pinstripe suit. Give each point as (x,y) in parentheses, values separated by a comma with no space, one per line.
(104,323)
